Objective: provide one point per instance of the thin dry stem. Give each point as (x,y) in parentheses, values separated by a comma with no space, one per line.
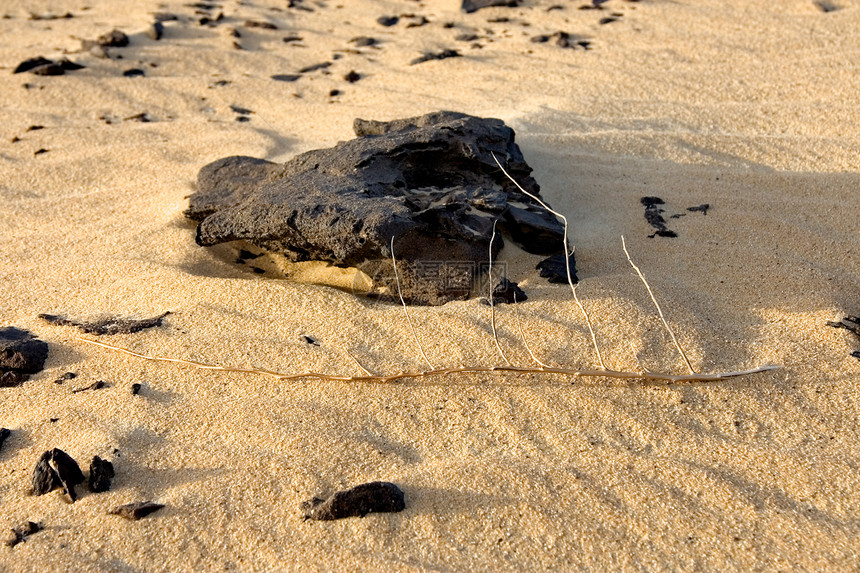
(657,306)
(405,309)
(526,340)
(381,378)
(492,303)
(566,261)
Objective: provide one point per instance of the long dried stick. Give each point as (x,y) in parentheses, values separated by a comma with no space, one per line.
(408,374)
(657,306)
(566,262)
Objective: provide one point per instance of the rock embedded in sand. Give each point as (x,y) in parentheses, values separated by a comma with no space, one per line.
(470,6)
(4,434)
(136,510)
(101,475)
(373,497)
(21,532)
(430,182)
(555,270)
(21,354)
(110,325)
(54,469)
(508,292)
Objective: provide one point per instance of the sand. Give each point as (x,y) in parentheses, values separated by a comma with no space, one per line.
(751,107)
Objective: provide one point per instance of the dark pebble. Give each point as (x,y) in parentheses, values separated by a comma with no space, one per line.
(387,20)
(352,77)
(113,39)
(289,39)
(334,93)
(135,389)
(54,469)
(240,110)
(155,30)
(109,325)
(134,73)
(315,67)
(30,64)
(285,77)
(310,340)
(101,474)
(428,56)
(97,385)
(4,433)
(21,354)
(137,510)
(470,6)
(703,208)
(364,41)
(555,271)
(508,292)
(21,532)
(65,377)
(374,497)
(259,24)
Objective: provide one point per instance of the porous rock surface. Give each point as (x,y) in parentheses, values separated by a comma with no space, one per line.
(430,182)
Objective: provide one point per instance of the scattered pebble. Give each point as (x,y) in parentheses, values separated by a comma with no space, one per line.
(134,73)
(352,77)
(428,56)
(314,67)
(113,39)
(111,325)
(136,510)
(508,292)
(364,41)
(470,6)
(54,469)
(374,497)
(21,532)
(97,385)
(260,24)
(654,216)
(387,21)
(4,433)
(555,271)
(310,340)
(286,77)
(101,474)
(21,354)
(65,377)
(155,30)
(135,389)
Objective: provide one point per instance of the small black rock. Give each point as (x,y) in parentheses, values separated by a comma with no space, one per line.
(555,271)
(30,64)
(21,532)
(352,77)
(387,21)
(135,389)
(442,55)
(508,292)
(21,354)
(285,77)
(155,30)
(470,6)
(136,510)
(373,497)
(101,474)
(54,469)
(4,433)
(113,39)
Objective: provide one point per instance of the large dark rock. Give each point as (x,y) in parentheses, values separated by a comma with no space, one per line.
(54,469)
(21,354)
(429,182)
(373,497)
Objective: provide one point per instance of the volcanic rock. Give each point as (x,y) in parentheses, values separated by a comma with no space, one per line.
(54,469)
(373,497)
(431,183)
(21,354)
